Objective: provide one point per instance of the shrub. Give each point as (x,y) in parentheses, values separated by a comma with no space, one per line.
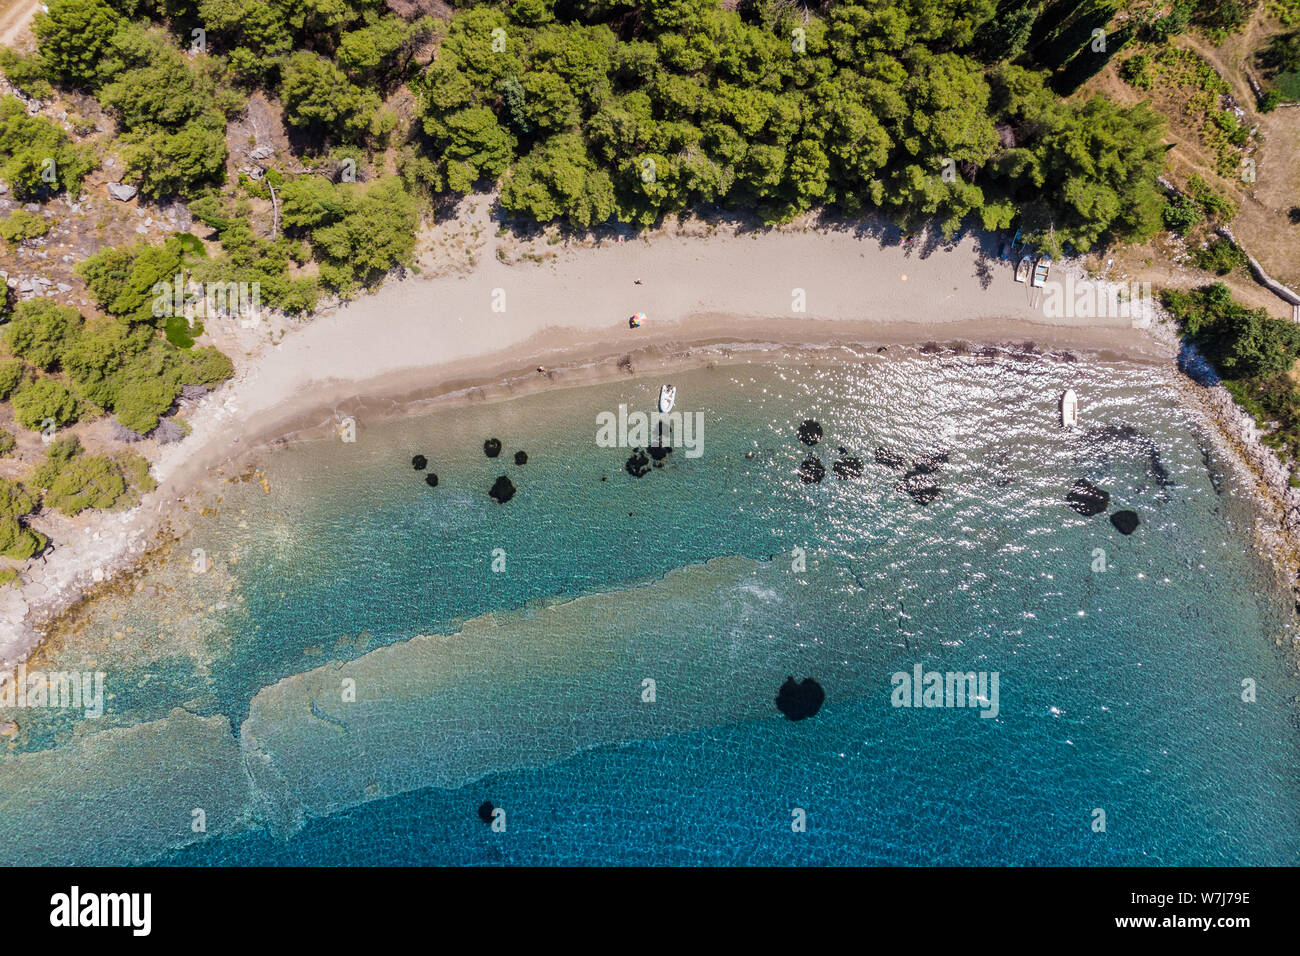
(11,374)
(16,539)
(44,399)
(1221,256)
(40,330)
(21,224)
(87,481)
(7,443)
(1182,214)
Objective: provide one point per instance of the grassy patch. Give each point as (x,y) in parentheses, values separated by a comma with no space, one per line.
(179,332)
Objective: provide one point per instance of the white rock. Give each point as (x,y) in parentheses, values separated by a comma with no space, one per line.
(121,191)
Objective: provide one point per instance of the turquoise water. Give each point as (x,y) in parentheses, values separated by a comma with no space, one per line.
(351,679)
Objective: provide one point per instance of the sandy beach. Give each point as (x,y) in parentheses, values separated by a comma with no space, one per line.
(482,334)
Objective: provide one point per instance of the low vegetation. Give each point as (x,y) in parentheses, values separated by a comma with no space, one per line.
(1253,351)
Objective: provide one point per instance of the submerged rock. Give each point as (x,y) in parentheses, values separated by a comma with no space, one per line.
(521,458)
(485,811)
(848,467)
(810,433)
(492,447)
(419,463)
(638,465)
(1125,522)
(812,470)
(661,445)
(431,480)
(930,463)
(503,490)
(919,487)
(801,699)
(1087,499)
(890,459)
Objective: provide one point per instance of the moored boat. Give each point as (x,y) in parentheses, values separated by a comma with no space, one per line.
(1040,271)
(1022,269)
(667,396)
(1069,408)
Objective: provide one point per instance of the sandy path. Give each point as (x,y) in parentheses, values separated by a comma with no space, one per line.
(16,20)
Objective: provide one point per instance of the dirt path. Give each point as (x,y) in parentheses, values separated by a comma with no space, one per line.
(16,21)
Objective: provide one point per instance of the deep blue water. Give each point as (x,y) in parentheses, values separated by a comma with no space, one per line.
(1120,689)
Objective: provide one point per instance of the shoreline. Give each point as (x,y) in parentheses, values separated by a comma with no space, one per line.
(409,347)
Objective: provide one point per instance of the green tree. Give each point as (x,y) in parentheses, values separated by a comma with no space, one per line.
(40,330)
(320,98)
(559,179)
(44,399)
(76,39)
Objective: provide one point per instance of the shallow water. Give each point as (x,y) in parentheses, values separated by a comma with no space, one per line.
(1120,689)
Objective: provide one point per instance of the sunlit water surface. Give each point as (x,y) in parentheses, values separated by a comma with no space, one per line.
(351,678)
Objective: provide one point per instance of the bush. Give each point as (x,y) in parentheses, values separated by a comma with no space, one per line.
(27,72)
(37,158)
(7,443)
(1182,214)
(87,481)
(16,539)
(142,400)
(1221,257)
(40,330)
(21,224)
(11,373)
(44,399)
(1242,343)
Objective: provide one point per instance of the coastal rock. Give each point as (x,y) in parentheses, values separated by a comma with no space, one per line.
(848,467)
(890,459)
(419,463)
(431,480)
(811,470)
(810,433)
(521,458)
(1125,522)
(123,434)
(1087,499)
(503,489)
(121,192)
(485,811)
(492,447)
(638,465)
(799,700)
(8,728)
(193,392)
(167,431)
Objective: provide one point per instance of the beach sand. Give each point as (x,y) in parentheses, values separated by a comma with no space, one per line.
(482,335)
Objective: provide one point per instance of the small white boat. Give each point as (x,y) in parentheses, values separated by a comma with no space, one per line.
(667,395)
(1069,408)
(1022,269)
(1040,271)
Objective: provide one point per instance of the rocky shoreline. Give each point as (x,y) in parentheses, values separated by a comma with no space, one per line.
(1240,441)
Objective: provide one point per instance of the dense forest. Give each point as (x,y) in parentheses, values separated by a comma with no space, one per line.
(581,113)
(591,111)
